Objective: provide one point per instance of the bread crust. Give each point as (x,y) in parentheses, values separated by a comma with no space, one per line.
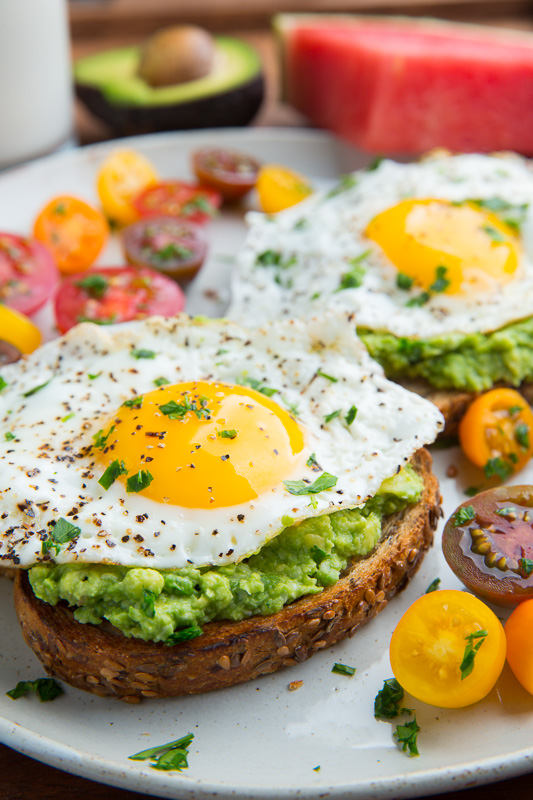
(453,403)
(99,659)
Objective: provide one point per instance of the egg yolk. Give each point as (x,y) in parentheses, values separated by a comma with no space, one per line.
(447,247)
(203,444)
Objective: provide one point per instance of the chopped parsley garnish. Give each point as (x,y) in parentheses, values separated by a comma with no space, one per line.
(9,436)
(174,410)
(345,183)
(388,699)
(62,533)
(36,389)
(343,669)
(495,235)
(498,467)
(471,491)
(301,225)
(100,438)
(507,512)
(410,349)
(325,481)
(161,381)
(273,258)
(374,164)
(3,383)
(46,689)
(259,386)
(60,208)
(441,281)
(406,735)
(170,756)
(351,415)
(142,353)
(404,281)
(109,477)
(141,480)
(433,586)
(173,251)
(355,276)
(67,417)
(109,321)
(326,376)
(521,434)
(94,285)
(227,434)
(199,203)
(464,515)
(94,376)
(467,664)
(191,632)
(315,295)
(148,603)
(333,415)
(317,554)
(293,408)
(134,402)
(526,565)
(420,300)
(313,463)
(512,215)
(515,410)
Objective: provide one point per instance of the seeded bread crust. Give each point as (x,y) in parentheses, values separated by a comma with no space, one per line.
(99,659)
(453,403)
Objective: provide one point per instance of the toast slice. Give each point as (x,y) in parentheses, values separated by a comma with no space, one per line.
(453,403)
(100,659)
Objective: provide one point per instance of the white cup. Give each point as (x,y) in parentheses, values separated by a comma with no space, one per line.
(36,96)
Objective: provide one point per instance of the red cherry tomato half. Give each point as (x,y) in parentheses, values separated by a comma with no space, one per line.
(28,274)
(171,245)
(230,173)
(178,199)
(115,294)
(488,543)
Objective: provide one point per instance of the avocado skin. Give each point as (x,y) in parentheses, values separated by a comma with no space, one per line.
(232,108)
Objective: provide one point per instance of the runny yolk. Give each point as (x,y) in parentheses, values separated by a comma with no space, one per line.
(421,237)
(205,445)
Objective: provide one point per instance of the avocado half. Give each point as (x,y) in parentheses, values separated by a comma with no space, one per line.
(230,95)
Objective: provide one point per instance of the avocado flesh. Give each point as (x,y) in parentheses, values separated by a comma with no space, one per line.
(114,74)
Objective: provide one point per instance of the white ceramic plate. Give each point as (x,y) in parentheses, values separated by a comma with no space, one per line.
(258,740)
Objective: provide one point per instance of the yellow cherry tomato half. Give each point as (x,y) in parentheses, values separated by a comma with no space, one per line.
(73,231)
(520,643)
(279,188)
(498,428)
(122,176)
(18,330)
(431,649)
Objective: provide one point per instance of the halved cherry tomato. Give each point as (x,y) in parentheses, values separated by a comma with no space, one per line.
(28,275)
(191,201)
(279,187)
(520,643)
(488,543)
(115,294)
(18,330)
(230,173)
(171,245)
(73,231)
(431,649)
(122,176)
(496,433)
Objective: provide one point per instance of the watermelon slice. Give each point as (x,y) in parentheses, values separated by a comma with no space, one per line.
(398,85)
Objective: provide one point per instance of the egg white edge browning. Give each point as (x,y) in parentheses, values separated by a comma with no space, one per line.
(48,473)
(317,238)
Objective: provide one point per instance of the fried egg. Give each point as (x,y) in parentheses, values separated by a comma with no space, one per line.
(419,250)
(166,443)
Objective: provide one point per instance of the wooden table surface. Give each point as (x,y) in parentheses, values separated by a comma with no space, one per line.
(23,778)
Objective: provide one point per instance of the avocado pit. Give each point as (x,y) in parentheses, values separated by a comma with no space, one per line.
(177,55)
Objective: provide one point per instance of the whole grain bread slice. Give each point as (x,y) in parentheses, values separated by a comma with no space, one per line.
(453,403)
(99,659)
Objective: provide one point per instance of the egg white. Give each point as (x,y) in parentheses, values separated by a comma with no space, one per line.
(317,238)
(47,472)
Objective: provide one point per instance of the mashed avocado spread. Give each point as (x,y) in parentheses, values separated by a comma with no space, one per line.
(303,559)
(473,362)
